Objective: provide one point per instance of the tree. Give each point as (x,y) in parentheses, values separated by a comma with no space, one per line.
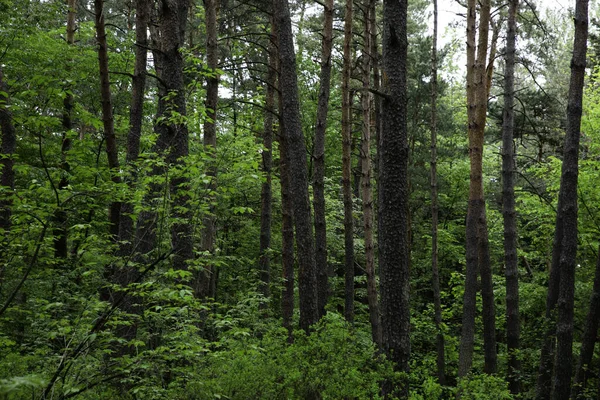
(8,143)
(319,159)
(393,193)
(477,246)
(298,172)
(347,165)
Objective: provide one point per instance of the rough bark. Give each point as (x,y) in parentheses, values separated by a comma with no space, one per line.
(347,166)
(136,111)
(366,187)
(209,231)
(477,247)
(60,231)
(319,159)
(590,335)
(508,208)
(298,171)
(266,200)
(393,196)
(9,141)
(287,237)
(569,177)
(435,274)
(110,138)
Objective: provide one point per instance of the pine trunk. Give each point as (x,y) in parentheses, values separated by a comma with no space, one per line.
(509,213)
(393,196)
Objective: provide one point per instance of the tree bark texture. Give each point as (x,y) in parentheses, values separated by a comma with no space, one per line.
(9,141)
(347,165)
(568,186)
(590,335)
(477,247)
(298,170)
(108,122)
(435,274)
(393,196)
(266,197)
(509,213)
(209,232)
(366,187)
(319,159)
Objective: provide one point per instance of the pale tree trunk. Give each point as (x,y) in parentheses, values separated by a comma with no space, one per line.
(435,274)
(568,187)
(347,166)
(110,138)
(319,159)
(477,247)
(509,213)
(205,278)
(266,201)
(393,196)
(588,342)
(60,215)
(298,171)
(366,188)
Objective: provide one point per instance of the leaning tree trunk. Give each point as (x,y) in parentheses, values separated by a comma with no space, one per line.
(477,248)
(319,159)
(568,185)
(298,171)
(347,166)
(112,153)
(366,188)
(393,195)
(435,274)
(508,209)
(204,288)
(590,334)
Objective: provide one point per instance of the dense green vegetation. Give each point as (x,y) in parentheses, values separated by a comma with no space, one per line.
(90,309)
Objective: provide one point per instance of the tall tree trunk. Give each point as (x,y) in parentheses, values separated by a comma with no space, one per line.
(209,231)
(366,188)
(393,196)
(136,113)
(435,274)
(319,160)
(7,174)
(509,213)
(266,202)
(568,186)
(347,165)
(110,138)
(298,171)
(60,215)
(477,248)
(590,335)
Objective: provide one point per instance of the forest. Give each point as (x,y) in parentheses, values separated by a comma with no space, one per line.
(294,199)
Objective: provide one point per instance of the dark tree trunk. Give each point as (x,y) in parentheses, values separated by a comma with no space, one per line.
(9,141)
(509,213)
(435,274)
(60,215)
(347,166)
(393,196)
(366,188)
(298,171)
(319,160)
(136,113)
(209,232)
(477,247)
(110,138)
(590,335)
(264,261)
(568,186)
